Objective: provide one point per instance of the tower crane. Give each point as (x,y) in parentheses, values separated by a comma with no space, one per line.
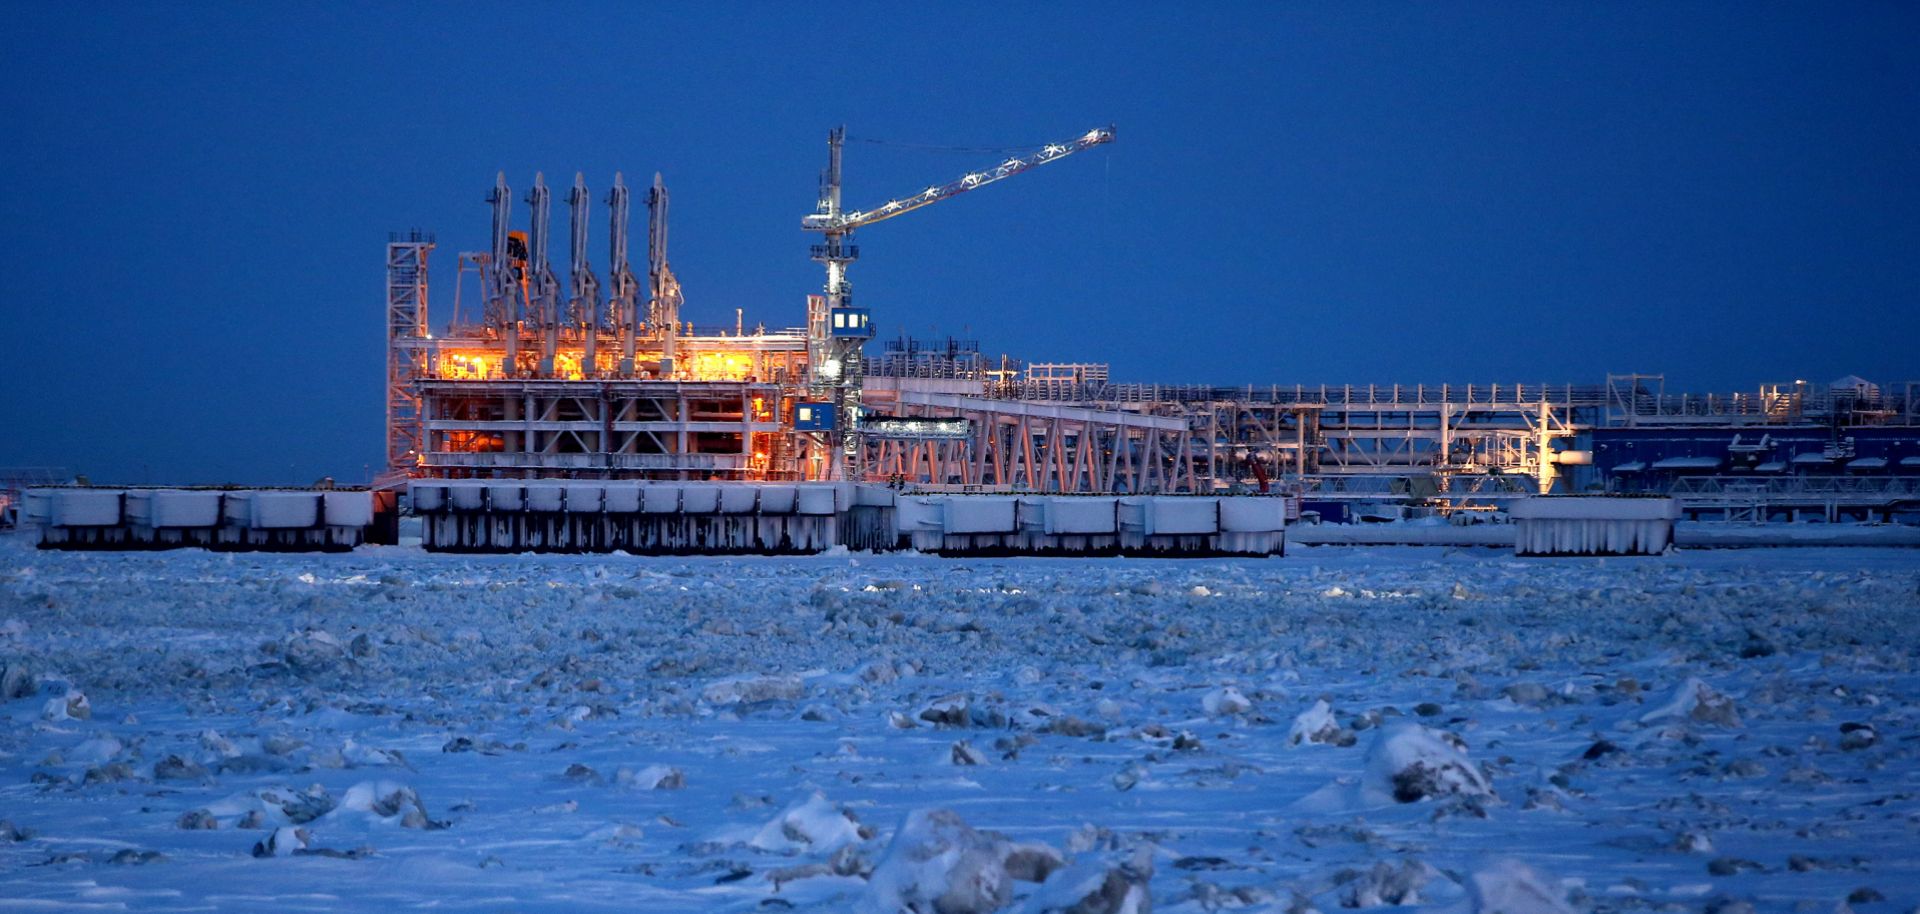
(837,331)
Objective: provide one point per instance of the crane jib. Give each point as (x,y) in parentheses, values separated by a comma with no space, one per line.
(847,222)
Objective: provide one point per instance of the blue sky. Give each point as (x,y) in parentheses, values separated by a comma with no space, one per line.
(1301,193)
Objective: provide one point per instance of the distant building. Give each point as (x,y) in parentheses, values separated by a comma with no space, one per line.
(1855,386)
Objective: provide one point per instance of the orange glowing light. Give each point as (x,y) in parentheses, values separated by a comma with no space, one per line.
(715,366)
(464,367)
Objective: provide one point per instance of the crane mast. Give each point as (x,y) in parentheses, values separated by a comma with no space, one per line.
(837,332)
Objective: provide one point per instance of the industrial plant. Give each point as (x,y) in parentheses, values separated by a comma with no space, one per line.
(591,417)
(603,380)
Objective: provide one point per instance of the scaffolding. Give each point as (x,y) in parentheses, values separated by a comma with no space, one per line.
(407,334)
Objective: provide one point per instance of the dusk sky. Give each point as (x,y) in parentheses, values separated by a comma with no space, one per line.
(200,194)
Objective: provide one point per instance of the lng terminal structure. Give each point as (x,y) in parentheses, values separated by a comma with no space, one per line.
(605,381)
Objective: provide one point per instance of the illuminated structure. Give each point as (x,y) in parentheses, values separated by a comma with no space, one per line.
(589,387)
(594,389)
(837,332)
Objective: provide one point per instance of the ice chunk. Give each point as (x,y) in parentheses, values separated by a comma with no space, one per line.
(1857,736)
(387,801)
(1409,762)
(949,711)
(95,751)
(1696,701)
(1225,701)
(198,820)
(752,689)
(813,824)
(175,768)
(1096,887)
(218,745)
(652,777)
(936,862)
(360,755)
(1385,884)
(16,682)
(71,706)
(313,651)
(1512,887)
(283,842)
(964,753)
(1314,725)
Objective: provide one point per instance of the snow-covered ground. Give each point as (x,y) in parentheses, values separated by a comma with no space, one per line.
(1343,727)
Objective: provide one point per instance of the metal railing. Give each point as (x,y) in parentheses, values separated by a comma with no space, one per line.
(1853,490)
(526,461)
(1632,399)
(1361,396)
(1611,404)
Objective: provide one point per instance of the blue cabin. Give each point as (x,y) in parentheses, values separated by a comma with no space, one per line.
(812,417)
(850,322)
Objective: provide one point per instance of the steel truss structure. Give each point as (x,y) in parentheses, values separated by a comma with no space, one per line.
(1736,498)
(601,429)
(1137,438)
(1032,446)
(406,330)
(1457,446)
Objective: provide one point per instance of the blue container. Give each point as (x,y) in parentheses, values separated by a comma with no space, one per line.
(850,323)
(813,417)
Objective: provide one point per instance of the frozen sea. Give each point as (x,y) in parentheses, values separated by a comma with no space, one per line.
(1344,727)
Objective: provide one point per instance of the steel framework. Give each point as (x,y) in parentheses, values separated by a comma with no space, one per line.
(594,429)
(838,362)
(1745,498)
(406,334)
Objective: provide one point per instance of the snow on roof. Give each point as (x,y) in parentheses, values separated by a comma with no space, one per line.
(1868,463)
(1634,467)
(1687,463)
(1811,457)
(1772,466)
(1910,461)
